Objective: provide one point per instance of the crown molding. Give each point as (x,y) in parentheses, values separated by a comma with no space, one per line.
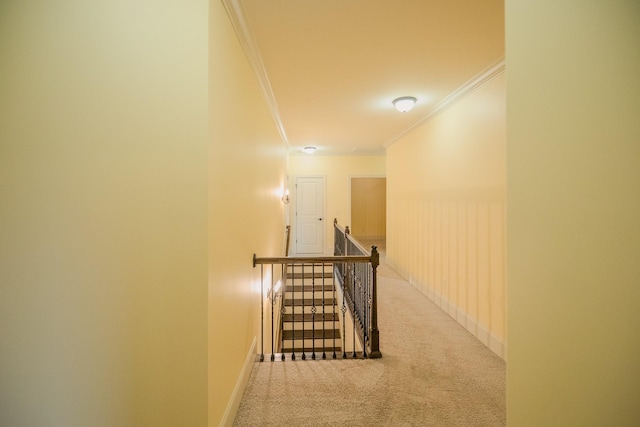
(470,86)
(237,14)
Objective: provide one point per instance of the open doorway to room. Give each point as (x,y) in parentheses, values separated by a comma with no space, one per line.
(369,211)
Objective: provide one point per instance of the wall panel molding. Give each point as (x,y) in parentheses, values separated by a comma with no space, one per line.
(453,252)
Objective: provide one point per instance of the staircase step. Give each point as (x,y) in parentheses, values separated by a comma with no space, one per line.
(308,345)
(309,309)
(310,317)
(311,334)
(308,302)
(319,350)
(297,326)
(308,274)
(302,330)
(328,295)
(308,287)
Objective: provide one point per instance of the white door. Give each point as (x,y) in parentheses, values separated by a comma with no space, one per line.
(310,223)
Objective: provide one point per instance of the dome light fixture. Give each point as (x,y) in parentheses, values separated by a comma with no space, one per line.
(309,150)
(404,103)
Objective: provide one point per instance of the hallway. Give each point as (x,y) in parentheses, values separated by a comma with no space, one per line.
(432,373)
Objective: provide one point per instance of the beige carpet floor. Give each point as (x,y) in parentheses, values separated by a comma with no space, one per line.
(432,373)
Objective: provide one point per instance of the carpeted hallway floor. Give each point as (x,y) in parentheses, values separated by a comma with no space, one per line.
(432,373)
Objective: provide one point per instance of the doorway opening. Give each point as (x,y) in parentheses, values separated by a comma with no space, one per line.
(369,210)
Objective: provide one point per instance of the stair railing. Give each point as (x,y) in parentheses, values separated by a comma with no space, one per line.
(360,284)
(314,323)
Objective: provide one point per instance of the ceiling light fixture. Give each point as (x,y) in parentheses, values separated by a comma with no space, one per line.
(404,103)
(309,150)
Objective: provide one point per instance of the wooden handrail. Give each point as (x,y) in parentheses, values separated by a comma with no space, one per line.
(287,237)
(310,260)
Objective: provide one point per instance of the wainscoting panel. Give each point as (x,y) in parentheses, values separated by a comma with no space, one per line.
(451,247)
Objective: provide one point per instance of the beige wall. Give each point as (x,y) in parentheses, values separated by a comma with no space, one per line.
(103,213)
(247,172)
(369,208)
(446,187)
(105,130)
(573,213)
(337,171)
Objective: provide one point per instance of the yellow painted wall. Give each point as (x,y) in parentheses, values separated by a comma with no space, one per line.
(573,212)
(247,173)
(103,213)
(337,171)
(446,188)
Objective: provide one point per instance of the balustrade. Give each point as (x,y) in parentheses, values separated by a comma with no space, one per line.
(317,297)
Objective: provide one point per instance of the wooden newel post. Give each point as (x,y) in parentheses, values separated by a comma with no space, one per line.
(375,333)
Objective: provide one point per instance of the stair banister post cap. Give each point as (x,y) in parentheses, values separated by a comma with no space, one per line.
(375,257)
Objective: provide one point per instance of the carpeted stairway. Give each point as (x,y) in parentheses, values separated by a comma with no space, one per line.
(311,322)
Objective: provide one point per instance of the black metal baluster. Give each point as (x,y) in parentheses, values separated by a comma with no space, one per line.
(345,285)
(261,312)
(313,311)
(324,346)
(284,307)
(304,355)
(369,278)
(364,311)
(347,278)
(293,314)
(323,302)
(283,281)
(353,279)
(375,333)
(358,289)
(344,321)
(333,305)
(368,307)
(273,301)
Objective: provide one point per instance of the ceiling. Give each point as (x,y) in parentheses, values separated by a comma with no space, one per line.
(331,68)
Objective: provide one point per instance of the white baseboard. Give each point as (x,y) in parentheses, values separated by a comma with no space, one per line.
(234,403)
(484,335)
(477,329)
